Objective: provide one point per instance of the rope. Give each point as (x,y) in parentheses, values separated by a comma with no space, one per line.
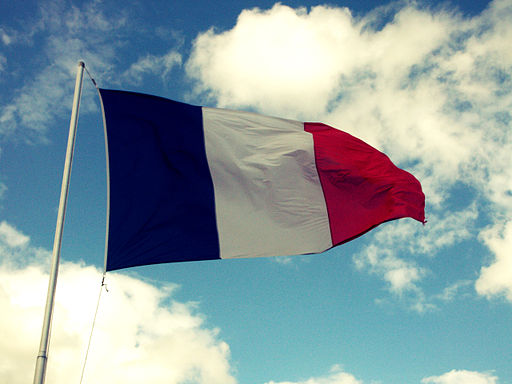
(92,327)
(90,77)
(102,280)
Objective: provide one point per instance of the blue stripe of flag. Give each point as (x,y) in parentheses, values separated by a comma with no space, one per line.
(162,205)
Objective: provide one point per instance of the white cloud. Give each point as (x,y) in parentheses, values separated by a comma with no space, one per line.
(401,275)
(496,278)
(404,274)
(11,236)
(291,59)
(152,64)
(432,89)
(336,376)
(277,60)
(441,231)
(3,189)
(462,377)
(6,38)
(450,292)
(3,62)
(141,334)
(47,93)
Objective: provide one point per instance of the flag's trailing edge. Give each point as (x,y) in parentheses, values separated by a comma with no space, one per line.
(192,183)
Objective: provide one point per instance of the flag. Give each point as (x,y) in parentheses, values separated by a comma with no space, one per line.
(194,183)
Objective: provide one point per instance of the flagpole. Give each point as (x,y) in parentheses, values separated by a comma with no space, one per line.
(42,357)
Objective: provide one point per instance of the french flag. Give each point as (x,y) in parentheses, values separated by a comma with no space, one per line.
(194,183)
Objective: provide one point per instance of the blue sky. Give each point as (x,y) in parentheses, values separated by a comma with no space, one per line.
(430,84)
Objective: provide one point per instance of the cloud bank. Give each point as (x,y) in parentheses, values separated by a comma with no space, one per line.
(141,333)
(431,88)
(462,377)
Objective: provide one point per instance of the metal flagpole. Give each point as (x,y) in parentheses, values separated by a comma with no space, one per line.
(42,357)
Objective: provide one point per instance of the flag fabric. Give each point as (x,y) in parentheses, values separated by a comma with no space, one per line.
(193,183)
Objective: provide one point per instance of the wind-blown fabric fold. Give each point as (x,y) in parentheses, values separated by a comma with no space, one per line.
(193,183)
